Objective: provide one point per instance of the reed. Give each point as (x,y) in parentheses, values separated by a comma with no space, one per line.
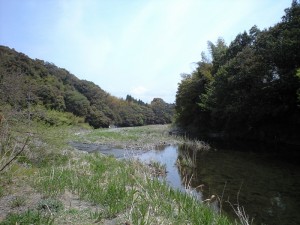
(131,191)
(157,169)
(123,191)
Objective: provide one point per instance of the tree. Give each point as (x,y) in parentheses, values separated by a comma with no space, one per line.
(25,82)
(162,111)
(188,97)
(96,118)
(218,53)
(251,88)
(76,103)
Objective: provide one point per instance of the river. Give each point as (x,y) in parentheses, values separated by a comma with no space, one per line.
(266,183)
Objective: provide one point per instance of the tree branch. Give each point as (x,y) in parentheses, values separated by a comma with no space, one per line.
(13,158)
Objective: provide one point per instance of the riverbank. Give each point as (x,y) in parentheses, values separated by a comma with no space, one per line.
(131,138)
(52,183)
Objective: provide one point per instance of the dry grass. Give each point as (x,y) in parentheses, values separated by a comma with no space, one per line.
(97,189)
(132,138)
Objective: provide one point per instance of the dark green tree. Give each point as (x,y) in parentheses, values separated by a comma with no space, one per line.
(77,103)
(251,89)
(96,118)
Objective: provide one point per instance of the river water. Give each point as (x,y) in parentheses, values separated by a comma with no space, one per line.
(266,183)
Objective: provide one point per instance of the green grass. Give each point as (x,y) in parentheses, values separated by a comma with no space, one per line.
(125,187)
(28,218)
(145,137)
(83,178)
(106,135)
(122,190)
(50,204)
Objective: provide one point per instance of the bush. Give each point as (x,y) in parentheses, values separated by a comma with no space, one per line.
(56,118)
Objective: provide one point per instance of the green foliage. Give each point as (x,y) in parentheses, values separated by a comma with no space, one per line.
(96,118)
(192,88)
(50,204)
(55,118)
(298,91)
(163,111)
(249,89)
(52,159)
(27,218)
(76,103)
(129,98)
(27,83)
(114,188)
(50,98)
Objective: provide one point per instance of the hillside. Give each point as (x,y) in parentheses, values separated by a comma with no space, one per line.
(26,84)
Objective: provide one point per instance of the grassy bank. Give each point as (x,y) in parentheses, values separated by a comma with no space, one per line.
(145,137)
(51,183)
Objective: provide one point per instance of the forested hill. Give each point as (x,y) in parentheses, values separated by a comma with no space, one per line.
(248,89)
(27,84)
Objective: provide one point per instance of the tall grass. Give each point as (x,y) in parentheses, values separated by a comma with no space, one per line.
(119,189)
(30,217)
(125,188)
(195,144)
(11,145)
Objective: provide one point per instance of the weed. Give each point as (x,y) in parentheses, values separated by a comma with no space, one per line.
(97,215)
(240,211)
(157,169)
(29,217)
(23,158)
(72,211)
(195,145)
(52,159)
(116,187)
(18,201)
(50,204)
(126,187)
(184,160)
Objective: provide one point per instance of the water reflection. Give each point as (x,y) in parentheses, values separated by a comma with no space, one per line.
(179,176)
(168,156)
(265,184)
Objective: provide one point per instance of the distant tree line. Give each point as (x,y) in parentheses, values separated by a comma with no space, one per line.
(26,83)
(249,89)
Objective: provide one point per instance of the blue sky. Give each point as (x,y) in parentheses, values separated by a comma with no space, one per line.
(137,47)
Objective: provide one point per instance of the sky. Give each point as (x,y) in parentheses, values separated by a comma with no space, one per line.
(135,47)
